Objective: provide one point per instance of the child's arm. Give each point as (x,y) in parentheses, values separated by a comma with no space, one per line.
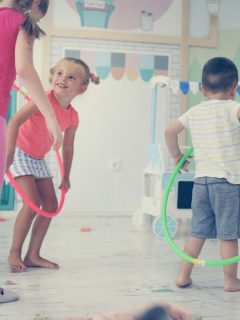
(67,152)
(171,136)
(30,79)
(13,126)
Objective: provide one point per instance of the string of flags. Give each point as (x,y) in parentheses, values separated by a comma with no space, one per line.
(180,86)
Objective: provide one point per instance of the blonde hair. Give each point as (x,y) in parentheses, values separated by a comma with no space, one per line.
(88,76)
(29,24)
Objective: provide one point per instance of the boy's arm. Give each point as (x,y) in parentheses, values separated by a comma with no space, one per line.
(13,126)
(171,137)
(67,153)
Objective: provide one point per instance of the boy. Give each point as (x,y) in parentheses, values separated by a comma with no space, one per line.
(215,132)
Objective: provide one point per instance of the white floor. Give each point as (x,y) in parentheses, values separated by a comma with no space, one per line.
(111,266)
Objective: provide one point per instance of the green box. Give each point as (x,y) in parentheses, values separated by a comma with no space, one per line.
(8,192)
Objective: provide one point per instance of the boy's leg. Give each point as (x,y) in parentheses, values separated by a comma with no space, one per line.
(23,222)
(41,224)
(229,249)
(193,248)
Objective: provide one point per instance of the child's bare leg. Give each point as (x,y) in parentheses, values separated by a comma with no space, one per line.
(229,249)
(41,225)
(193,248)
(23,223)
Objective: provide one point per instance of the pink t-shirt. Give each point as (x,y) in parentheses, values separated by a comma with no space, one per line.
(33,136)
(10,21)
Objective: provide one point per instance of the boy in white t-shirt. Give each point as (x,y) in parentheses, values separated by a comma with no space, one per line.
(215,132)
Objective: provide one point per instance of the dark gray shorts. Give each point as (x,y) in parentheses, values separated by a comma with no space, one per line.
(216,209)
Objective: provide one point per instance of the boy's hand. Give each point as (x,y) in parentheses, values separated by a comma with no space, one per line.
(185,164)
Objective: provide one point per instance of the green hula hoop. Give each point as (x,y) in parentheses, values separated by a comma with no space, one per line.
(182,254)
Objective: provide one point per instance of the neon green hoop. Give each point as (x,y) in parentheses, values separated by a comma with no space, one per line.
(182,254)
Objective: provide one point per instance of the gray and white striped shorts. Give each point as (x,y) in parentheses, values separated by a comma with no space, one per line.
(24,165)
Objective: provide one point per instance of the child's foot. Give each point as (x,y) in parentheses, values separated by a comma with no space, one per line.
(183,282)
(232,285)
(39,262)
(15,263)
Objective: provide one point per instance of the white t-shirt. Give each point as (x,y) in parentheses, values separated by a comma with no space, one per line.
(215,134)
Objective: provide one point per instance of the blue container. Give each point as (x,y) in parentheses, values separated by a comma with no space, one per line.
(94,17)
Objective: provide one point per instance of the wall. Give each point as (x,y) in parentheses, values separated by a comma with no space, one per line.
(228,38)
(115,124)
(115,116)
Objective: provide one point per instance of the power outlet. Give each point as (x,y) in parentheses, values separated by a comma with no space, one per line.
(114,165)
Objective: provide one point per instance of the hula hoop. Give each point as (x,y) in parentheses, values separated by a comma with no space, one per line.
(30,203)
(182,254)
(22,194)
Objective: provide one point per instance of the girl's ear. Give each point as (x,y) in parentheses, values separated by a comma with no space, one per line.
(82,89)
(36,2)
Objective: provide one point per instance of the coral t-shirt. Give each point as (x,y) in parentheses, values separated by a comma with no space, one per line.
(33,136)
(10,22)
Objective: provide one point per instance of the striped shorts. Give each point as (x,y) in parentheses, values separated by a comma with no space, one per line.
(24,165)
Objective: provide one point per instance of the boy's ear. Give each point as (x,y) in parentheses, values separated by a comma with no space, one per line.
(233,89)
(204,91)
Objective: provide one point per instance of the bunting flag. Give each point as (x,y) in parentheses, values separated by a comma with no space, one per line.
(180,86)
(119,64)
(176,85)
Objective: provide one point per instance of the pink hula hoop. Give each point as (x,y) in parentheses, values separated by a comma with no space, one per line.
(24,196)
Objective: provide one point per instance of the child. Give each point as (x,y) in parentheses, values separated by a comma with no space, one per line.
(18,29)
(26,129)
(153,311)
(215,131)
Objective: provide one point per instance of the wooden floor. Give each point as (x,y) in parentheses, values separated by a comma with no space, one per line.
(111,266)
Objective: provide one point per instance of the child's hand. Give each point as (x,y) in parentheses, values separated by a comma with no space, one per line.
(65,184)
(185,164)
(178,312)
(55,133)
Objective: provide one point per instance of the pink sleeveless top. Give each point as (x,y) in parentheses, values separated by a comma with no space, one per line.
(10,21)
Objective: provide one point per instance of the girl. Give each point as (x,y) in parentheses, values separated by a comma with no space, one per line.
(26,129)
(18,29)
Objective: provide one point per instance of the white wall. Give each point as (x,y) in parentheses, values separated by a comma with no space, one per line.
(114,124)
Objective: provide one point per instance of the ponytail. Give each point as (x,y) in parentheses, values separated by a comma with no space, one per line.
(29,24)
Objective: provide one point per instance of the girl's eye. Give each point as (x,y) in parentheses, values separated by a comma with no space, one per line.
(72,78)
(59,73)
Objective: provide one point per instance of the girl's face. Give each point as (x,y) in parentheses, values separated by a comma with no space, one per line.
(36,14)
(67,80)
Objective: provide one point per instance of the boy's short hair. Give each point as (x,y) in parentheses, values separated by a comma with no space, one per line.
(219,74)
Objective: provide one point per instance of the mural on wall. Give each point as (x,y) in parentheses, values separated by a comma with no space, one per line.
(119,64)
(120,14)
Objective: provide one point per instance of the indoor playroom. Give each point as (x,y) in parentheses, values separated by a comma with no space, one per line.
(112,213)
